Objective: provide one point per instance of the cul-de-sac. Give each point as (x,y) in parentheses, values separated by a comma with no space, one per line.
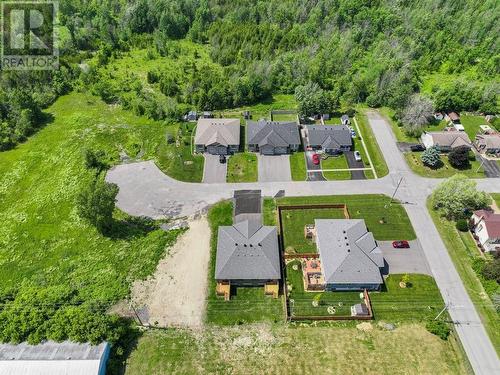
(249,187)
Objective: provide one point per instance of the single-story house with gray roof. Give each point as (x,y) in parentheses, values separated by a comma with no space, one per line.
(332,139)
(272,137)
(247,254)
(217,136)
(445,141)
(350,257)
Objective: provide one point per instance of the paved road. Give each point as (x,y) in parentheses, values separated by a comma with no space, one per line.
(214,171)
(351,161)
(491,168)
(410,260)
(145,190)
(312,175)
(274,168)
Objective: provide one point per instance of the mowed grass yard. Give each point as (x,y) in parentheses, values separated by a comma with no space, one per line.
(279,349)
(386,221)
(414,160)
(242,167)
(335,162)
(247,305)
(393,304)
(298,166)
(294,222)
(42,239)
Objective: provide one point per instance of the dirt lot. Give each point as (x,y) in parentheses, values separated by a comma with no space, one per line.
(175,295)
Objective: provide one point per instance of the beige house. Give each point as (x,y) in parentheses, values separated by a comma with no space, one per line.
(217,136)
(445,141)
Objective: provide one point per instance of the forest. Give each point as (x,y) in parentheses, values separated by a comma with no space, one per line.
(376,52)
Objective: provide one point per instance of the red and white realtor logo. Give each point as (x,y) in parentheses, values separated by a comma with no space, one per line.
(29,35)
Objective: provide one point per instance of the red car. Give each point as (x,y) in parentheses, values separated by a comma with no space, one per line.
(401,245)
(315,159)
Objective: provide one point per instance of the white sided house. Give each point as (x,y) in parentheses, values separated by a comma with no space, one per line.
(217,136)
(486,229)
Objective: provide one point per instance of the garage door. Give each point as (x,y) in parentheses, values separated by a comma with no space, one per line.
(267,150)
(217,150)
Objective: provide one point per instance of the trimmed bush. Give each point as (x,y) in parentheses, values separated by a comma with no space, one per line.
(462,225)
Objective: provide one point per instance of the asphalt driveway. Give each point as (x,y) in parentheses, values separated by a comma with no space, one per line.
(410,260)
(274,168)
(214,171)
(491,168)
(313,171)
(351,161)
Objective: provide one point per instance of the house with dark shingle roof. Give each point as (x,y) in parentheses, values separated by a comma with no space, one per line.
(332,139)
(247,251)
(217,136)
(350,257)
(272,137)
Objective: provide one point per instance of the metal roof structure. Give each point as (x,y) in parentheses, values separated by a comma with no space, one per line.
(52,358)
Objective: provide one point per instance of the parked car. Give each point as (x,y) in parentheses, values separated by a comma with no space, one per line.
(401,244)
(222,159)
(353,134)
(417,148)
(357,156)
(315,159)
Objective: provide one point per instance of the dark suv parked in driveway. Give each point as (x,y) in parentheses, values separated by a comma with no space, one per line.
(417,148)
(222,159)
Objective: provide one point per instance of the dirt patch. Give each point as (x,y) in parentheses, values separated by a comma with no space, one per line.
(175,295)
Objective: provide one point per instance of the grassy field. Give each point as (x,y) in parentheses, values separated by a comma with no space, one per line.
(263,110)
(386,223)
(247,305)
(278,349)
(293,227)
(336,162)
(372,145)
(41,236)
(176,158)
(463,252)
(471,125)
(298,166)
(242,167)
(446,170)
(496,197)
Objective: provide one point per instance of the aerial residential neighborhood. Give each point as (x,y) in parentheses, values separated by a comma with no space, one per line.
(264,187)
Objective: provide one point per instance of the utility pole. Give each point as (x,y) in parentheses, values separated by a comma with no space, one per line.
(442,311)
(395,191)
(480,165)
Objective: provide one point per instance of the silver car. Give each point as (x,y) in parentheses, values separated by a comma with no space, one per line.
(357,156)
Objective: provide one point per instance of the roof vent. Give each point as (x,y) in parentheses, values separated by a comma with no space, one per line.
(244,245)
(251,245)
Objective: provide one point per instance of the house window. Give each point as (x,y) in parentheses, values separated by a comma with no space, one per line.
(480,228)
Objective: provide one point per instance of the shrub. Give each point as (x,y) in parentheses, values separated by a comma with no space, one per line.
(438,328)
(431,157)
(459,157)
(462,225)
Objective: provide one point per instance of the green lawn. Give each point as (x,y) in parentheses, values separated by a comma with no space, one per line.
(471,125)
(415,162)
(263,110)
(417,303)
(298,166)
(463,252)
(295,349)
(386,223)
(336,162)
(42,239)
(247,305)
(285,118)
(371,144)
(496,197)
(293,227)
(302,300)
(242,167)
(176,158)
(333,121)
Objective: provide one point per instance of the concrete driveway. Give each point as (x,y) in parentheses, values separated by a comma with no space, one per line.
(313,171)
(274,168)
(214,171)
(410,260)
(351,161)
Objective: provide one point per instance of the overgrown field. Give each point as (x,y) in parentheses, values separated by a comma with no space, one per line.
(42,239)
(277,349)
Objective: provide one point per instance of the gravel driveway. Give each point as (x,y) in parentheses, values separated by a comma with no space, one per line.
(274,168)
(410,260)
(214,171)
